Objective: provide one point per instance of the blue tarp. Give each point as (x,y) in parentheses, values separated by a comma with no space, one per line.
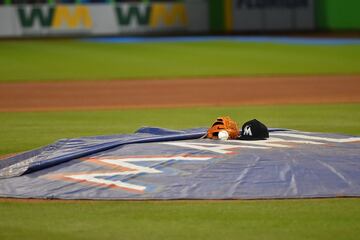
(156,163)
(68,149)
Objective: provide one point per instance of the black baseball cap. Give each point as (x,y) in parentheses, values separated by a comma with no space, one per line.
(254,130)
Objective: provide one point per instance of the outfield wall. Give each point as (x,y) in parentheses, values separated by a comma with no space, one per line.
(261,15)
(338,15)
(188,16)
(102,19)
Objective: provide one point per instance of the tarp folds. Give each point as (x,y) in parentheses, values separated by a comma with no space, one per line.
(68,149)
(156,163)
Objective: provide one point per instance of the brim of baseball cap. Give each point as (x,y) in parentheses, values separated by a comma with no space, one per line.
(251,138)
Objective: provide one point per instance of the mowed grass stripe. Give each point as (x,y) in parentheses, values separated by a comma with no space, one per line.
(52,60)
(270,219)
(26,130)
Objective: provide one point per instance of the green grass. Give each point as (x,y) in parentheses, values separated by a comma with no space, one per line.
(23,131)
(272,219)
(51,60)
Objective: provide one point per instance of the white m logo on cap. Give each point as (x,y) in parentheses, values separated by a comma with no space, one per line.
(247,131)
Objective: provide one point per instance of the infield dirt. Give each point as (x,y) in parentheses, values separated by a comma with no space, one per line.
(53,96)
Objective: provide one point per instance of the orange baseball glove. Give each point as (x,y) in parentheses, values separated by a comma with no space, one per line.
(223,123)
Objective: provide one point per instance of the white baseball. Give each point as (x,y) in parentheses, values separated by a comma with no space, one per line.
(223,135)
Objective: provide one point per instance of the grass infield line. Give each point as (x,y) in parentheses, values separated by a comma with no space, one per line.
(54,60)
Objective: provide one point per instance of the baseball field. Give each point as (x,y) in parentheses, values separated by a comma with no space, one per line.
(51,89)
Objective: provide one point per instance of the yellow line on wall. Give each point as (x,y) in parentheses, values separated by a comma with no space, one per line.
(228,7)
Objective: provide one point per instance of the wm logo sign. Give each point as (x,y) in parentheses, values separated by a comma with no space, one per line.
(154,15)
(56,17)
(72,17)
